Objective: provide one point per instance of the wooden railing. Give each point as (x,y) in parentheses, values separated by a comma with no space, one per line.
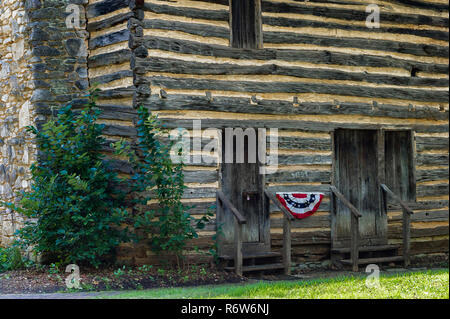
(354,225)
(239,220)
(287,220)
(407,212)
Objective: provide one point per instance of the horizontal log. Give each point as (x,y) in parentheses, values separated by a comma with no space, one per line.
(425,175)
(304,23)
(431,143)
(396,232)
(109,39)
(312,237)
(220,15)
(309,56)
(117,112)
(104,7)
(324,188)
(299,159)
(351,14)
(432,159)
(300,143)
(306,126)
(291,38)
(422,205)
(156,64)
(432,190)
(111,77)
(322,221)
(294,87)
(429,247)
(429,216)
(109,22)
(299,176)
(107,59)
(243,105)
(118,93)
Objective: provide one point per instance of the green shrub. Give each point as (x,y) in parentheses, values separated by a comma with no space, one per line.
(11,259)
(169,226)
(74,203)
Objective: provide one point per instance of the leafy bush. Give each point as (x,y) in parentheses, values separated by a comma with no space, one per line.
(74,203)
(169,225)
(11,259)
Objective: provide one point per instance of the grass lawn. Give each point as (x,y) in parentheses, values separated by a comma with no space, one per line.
(425,284)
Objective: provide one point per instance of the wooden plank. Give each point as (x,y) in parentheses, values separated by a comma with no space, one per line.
(419,49)
(428,216)
(115,57)
(299,176)
(406,236)
(109,22)
(354,241)
(322,221)
(425,190)
(431,143)
(294,87)
(310,56)
(352,14)
(241,219)
(341,197)
(104,7)
(238,244)
(243,105)
(432,159)
(157,64)
(109,39)
(425,175)
(286,124)
(397,199)
(287,245)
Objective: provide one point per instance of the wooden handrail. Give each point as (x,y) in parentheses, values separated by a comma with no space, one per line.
(397,199)
(407,212)
(287,225)
(345,201)
(240,219)
(277,202)
(354,226)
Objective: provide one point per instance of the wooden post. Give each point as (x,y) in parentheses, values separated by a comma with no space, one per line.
(238,243)
(406,236)
(287,245)
(354,251)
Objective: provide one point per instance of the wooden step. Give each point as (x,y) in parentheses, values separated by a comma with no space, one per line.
(366,248)
(276,266)
(269,254)
(365,261)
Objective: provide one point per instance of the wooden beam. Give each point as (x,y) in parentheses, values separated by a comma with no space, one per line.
(344,200)
(240,218)
(287,242)
(397,199)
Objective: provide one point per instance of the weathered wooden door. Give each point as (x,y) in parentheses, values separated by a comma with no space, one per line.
(243,185)
(356,155)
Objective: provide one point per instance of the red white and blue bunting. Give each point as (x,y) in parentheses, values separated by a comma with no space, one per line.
(300,205)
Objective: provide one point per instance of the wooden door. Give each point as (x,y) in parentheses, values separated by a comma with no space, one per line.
(356,154)
(243,184)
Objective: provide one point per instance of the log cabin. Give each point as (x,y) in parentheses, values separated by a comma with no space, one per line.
(359,113)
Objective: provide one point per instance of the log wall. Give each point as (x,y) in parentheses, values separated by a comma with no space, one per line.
(320,68)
